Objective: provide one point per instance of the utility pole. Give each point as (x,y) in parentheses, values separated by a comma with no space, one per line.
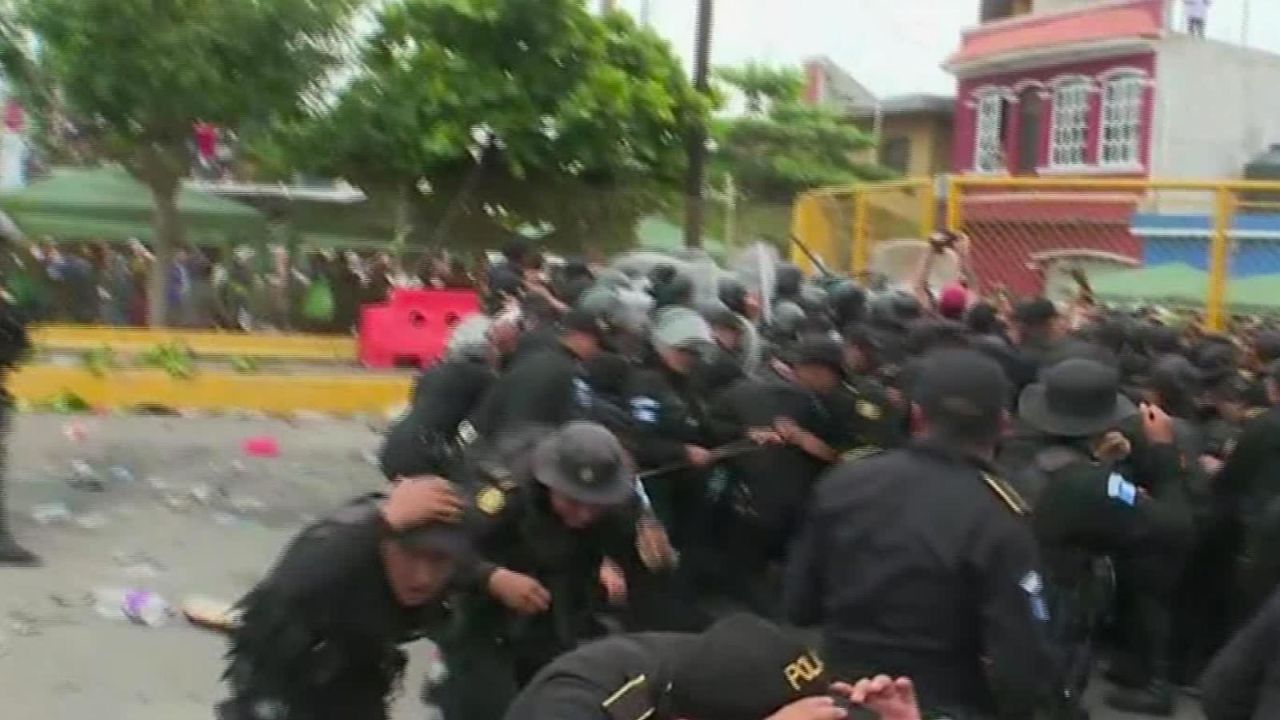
(695,181)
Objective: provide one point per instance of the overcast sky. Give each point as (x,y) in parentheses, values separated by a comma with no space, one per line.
(891,46)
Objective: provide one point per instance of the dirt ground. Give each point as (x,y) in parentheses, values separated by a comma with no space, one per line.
(171,505)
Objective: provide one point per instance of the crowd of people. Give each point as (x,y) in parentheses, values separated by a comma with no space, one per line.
(621,493)
(240,289)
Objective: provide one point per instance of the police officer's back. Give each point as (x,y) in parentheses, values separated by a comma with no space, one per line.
(546,386)
(919,562)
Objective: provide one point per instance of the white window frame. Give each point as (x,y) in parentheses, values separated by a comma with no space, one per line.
(1120,120)
(1069,129)
(988,138)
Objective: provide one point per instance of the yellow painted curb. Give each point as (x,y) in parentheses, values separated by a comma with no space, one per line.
(132,340)
(329,393)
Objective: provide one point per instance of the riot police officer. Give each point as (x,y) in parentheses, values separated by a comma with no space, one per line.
(919,562)
(542,541)
(1088,506)
(319,636)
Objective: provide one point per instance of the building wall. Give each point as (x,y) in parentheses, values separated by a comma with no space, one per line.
(1217,107)
(929,137)
(1040,6)
(1012,83)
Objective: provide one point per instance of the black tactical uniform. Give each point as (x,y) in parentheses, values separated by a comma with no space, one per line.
(320,635)
(1250,487)
(493,651)
(743,667)
(424,441)
(14,346)
(544,388)
(669,413)
(1243,681)
(1086,511)
(918,562)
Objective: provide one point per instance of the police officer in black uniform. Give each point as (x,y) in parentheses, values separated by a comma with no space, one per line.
(14,346)
(669,411)
(743,667)
(319,636)
(543,542)
(546,387)
(425,440)
(760,496)
(1088,506)
(1250,487)
(919,561)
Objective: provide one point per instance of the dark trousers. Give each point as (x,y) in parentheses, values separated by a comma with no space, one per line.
(481,680)
(1195,27)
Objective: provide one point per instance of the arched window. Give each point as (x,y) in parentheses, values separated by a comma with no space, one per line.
(988,141)
(1120,139)
(1070,135)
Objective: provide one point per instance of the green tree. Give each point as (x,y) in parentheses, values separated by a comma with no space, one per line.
(135,76)
(782,145)
(482,116)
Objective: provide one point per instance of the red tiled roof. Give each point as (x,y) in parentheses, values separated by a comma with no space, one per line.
(1139,18)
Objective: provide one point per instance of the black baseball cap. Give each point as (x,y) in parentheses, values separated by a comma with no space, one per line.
(1035,311)
(962,388)
(586,462)
(585,321)
(745,668)
(450,539)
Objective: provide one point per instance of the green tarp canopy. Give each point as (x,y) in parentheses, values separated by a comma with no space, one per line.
(108,204)
(1185,286)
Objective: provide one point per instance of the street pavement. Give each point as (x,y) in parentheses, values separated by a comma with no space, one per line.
(171,505)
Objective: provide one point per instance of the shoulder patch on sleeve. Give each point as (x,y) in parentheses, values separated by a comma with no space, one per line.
(491,500)
(861,453)
(1007,494)
(1122,490)
(869,410)
(645,409)
(630,701)
(1256,412)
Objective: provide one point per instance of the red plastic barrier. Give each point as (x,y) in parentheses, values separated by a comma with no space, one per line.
(412,327)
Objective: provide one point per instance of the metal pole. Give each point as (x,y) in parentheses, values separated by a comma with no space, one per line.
(730,212)
(695,181)
(954,212)
(1219,259)
(861,231)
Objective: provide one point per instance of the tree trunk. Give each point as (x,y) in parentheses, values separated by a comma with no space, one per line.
(167,226)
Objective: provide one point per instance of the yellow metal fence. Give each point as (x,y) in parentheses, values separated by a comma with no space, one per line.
(1204,247)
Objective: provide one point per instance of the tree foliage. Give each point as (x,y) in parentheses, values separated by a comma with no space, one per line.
(497,114)
(782,145)
(134,77)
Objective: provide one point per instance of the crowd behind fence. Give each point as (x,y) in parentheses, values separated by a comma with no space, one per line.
(1206,248)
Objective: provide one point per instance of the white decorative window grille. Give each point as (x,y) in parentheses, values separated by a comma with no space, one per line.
(988,150)
(1070,135)
(1121,133)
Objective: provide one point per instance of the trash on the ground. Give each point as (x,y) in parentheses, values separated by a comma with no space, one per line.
(49,513)
(83,477)
(121,474)
(202,493)
(143,607)
(92,521)
(263,446)
(210,613)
